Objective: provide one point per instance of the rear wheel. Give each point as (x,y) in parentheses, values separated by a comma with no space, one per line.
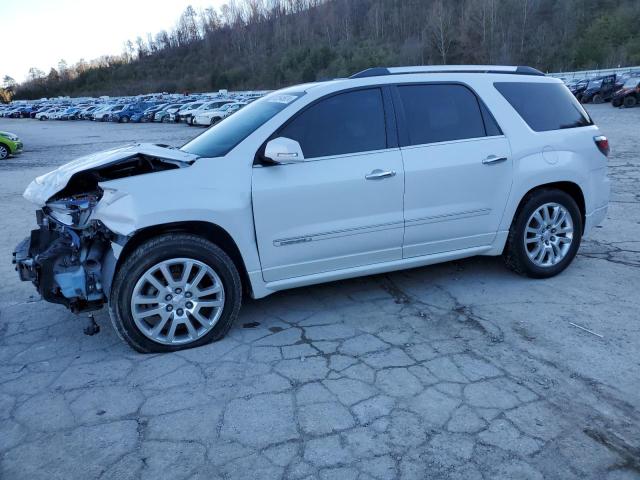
(616,102)
(4,151)
(545,234)
(124,119)
(173,292)
(597,98)
(630,101)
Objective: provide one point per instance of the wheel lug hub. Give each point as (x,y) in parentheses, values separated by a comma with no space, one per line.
(188,295)
(189,305)
(178,291)
(169,308)
(168,298)
(180,312)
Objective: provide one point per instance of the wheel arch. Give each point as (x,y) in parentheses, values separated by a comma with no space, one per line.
(570,188)
(207,230)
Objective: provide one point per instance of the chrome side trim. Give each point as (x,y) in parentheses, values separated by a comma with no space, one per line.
(447,217)
(337,233)
(281,242)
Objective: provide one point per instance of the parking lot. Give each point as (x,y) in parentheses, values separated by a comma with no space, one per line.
(455,371)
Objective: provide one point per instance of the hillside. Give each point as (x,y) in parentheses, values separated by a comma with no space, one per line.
(246,45)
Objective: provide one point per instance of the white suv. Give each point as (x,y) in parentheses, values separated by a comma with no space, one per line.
(389,169)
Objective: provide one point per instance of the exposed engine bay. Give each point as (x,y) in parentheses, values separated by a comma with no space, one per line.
(71,257)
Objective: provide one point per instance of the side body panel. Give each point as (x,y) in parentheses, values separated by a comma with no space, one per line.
(453,200)
(323,215)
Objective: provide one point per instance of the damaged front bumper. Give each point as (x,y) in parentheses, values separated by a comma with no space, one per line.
(65,265)
(71,257)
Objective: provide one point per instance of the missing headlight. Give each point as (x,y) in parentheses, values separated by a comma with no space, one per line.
(74,210)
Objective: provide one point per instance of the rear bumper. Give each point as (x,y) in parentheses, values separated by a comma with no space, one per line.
(597,199)
(595,218)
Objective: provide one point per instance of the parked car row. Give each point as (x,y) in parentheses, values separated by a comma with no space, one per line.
(622,90)
(199,109)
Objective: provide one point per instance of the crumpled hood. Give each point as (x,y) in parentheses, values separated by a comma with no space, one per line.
(45,186)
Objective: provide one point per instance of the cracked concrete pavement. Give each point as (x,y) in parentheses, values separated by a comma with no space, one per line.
(455,371)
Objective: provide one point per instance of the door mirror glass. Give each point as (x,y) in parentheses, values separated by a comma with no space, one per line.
(283,150)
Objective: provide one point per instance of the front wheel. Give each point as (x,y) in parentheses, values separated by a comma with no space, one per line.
(174,292)
(545,234)
(630,101)
(598,99)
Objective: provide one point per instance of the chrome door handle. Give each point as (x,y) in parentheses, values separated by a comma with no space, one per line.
(378,174)
(491,159)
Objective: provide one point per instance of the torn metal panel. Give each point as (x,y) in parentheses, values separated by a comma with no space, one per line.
(103,166)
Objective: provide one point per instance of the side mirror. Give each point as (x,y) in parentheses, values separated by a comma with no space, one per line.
(283,150)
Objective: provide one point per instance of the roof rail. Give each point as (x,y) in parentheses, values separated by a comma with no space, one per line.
(382,71)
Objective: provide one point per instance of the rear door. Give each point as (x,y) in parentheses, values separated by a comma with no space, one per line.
(458,170)
(342,206)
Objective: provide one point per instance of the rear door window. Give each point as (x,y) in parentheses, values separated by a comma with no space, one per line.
(544,106)
(346,123)
(441,113)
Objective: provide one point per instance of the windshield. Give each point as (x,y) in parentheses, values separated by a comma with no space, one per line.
(218,140)
(595,83)
(632,82)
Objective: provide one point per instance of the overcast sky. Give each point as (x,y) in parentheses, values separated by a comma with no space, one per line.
(38,33)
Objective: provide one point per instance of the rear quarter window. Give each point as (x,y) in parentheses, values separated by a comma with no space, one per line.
(544,106)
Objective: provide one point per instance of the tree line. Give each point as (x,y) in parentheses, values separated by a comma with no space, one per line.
(265,44)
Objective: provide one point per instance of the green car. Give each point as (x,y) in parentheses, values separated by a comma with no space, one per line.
(9,144)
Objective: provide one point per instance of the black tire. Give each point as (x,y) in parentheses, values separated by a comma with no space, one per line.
(598,99)
(150,253)
(630,101)
(215,120)
(515,255)
(124,119)
(616,102)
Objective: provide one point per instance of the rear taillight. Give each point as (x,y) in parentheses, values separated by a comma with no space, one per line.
(603,144)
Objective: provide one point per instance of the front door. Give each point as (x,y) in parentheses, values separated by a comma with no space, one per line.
(342,206)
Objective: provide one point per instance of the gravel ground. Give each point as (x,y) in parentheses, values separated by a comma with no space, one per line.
(458,371)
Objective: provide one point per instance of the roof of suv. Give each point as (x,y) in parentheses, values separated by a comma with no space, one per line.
(382,71)
(386,72)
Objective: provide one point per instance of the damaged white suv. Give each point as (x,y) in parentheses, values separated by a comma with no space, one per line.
(389,169)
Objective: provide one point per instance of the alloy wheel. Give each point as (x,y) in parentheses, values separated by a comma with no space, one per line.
(177,301)
(548,235)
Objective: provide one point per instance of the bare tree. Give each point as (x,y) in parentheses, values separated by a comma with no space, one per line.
(441,28)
